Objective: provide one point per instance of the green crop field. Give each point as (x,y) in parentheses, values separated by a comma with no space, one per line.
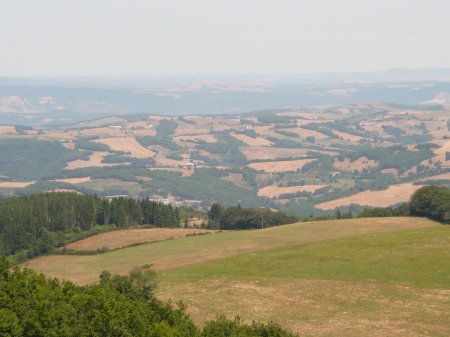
(373,277)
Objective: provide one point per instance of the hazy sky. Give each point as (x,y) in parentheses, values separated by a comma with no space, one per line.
(119,37)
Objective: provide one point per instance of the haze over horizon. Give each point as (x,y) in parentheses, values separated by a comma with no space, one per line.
(117,38)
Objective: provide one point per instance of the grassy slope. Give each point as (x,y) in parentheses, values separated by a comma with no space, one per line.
(381,284)
(374,277)
(176,253)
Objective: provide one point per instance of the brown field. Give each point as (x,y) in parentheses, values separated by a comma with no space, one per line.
(273,191)
(264,153)
(58,135)
(16,184)
(94,160)
(444,176)
(359,164)
(391,196)
(70,146)
(258,141)
(440,152)
(127,144)
(280,166)
(7,130)
(127,237)
(74,180)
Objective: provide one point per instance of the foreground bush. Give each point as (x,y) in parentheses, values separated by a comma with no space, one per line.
(32,305)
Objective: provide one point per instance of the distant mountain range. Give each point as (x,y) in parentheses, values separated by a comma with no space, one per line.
(67,100)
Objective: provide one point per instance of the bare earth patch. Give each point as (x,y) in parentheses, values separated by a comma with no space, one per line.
(280,166)
(126,237)
(391,196)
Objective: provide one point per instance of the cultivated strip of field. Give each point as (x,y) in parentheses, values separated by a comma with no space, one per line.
(280,166)
(176,253)
(16,184)
(393,195)
(127,237)
(127,144)
(379,284)
(74,180)
(265,153)
(258,141)
(273,191)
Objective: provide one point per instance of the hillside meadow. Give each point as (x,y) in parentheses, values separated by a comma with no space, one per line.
(373,276)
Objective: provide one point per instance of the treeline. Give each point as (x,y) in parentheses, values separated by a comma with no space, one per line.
(37,222)
(246,218)
(33,305)
(429,201)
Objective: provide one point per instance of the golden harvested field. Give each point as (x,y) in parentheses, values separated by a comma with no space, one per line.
(391,196)
(273,191)
(16,184)
(127,237)
(258,141)
(95,159)
(7,130)
(280,166)
(74,180)
(359,164)
(265,153)
(127,144)
(440,152)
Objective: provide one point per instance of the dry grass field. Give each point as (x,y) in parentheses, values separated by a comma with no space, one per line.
(127,237)
(273,191)
(391,196)
(280,166)
(127,144)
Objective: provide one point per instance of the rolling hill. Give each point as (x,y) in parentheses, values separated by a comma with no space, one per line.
(377,276)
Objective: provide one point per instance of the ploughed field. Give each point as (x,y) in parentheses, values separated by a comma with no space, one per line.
(374,276)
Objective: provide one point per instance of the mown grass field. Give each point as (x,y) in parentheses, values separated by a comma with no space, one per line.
(380,284)
(372,277)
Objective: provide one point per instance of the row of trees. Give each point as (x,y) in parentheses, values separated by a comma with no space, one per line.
(245,218)
(33,305)
(429,201)
(33,222)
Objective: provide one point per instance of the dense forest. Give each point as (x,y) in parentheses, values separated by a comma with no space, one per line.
(32,305)
(246,218)
(35,223)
